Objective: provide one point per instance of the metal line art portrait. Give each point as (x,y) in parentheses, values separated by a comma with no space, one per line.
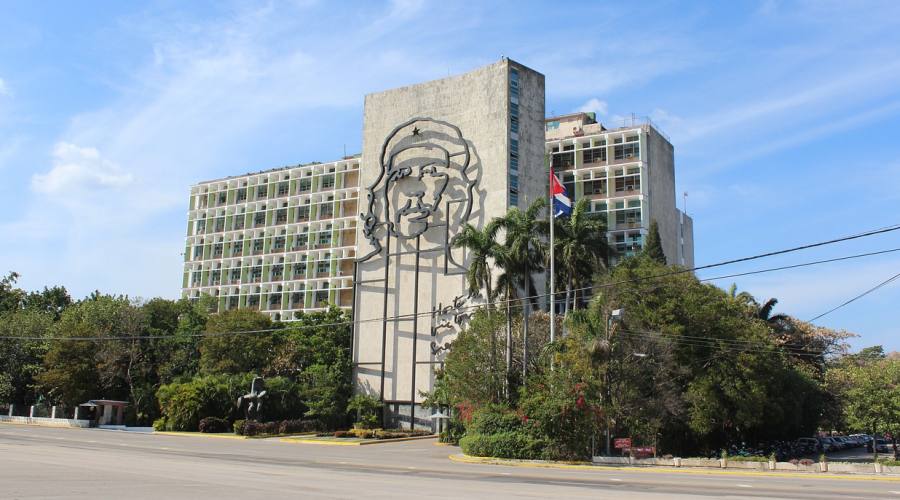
(421,196)
(418,160)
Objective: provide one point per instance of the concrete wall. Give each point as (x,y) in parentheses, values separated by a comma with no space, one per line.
(45,422)
(477,104)
(659,160)
(688,244)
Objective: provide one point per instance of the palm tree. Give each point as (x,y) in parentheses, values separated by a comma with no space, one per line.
(506,288)
(483,247)
(779,324)
(764,312)
(524,255)
(581,249)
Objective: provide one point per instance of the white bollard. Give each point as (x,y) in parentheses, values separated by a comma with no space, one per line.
(53,411)
(11,409)
(75,417)
(31,412)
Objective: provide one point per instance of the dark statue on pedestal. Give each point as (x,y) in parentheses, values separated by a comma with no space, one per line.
(253,400)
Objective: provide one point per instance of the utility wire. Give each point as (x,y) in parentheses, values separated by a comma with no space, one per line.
(505,301)
(867,292)
(723,345)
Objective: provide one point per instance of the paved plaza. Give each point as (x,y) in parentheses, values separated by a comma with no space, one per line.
(88,463)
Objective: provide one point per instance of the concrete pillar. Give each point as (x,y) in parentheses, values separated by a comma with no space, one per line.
(75,417)
(11,409)
(53,411)
(31,412)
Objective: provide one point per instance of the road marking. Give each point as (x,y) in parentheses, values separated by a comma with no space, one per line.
(615,479)
(896,492)
(744,486)
(411,468)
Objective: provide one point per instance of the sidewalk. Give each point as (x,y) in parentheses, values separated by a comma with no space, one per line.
(847,476)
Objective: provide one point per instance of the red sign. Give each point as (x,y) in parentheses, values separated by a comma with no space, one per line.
(643,451)
(621,443)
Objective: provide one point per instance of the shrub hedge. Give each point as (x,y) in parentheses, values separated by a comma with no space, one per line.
(213,424)
(253,428)
(503,445)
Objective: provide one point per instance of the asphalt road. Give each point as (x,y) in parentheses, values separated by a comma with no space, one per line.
(43,462)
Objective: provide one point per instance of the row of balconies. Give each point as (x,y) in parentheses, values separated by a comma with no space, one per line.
(273,218)
(278,189)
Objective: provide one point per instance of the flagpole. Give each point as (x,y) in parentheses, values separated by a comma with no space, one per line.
(552,262)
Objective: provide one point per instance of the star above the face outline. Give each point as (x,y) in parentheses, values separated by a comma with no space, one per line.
(416,131)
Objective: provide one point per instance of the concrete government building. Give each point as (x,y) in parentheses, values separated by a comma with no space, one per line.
(372,232)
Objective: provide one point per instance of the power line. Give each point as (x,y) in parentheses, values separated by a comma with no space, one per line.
(536,296)
(876,287)
(724,344)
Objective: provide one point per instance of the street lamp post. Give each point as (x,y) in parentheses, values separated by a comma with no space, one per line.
(611,318)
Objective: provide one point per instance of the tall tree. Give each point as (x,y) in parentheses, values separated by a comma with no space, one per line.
(237,341)
(483,248)
(872,397)
(581,249)
(10,296)
(653,245)
(525,250)
(485,251)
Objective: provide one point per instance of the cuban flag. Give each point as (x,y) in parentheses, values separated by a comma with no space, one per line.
(562,205)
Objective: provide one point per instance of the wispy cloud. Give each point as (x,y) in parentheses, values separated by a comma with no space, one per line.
(77,170)
(594,105)
(4,89)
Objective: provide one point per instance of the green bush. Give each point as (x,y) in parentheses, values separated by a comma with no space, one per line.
(494,419)
(367,409)
(184,404)
(210,425)
(239,426)
(253,428)
(503,445)
(892,463)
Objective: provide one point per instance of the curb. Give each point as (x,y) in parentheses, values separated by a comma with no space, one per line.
(466,459)
(327,442)
(198,434)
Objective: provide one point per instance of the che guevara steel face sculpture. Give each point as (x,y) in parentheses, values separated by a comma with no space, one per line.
(424,164)
(421,197)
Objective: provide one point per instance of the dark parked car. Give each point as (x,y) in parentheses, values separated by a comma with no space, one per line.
(827,444)
(809,446)
(883,446)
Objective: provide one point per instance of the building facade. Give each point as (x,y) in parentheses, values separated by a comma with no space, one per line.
(372,233)
(281,241)
(627,174)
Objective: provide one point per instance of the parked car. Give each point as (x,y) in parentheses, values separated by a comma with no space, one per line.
(809,446)
(827,444)
(842,442)
(881,444)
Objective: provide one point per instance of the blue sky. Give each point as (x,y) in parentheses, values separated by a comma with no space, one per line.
(785,118)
